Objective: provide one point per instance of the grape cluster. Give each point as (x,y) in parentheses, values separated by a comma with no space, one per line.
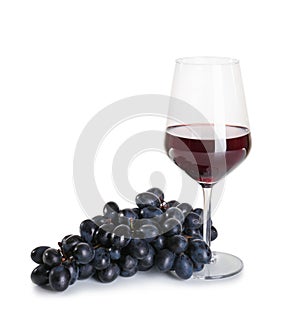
(167,235)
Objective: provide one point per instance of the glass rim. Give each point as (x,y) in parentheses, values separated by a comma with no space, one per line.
(207,60)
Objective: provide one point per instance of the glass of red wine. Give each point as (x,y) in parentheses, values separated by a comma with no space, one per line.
(210,137)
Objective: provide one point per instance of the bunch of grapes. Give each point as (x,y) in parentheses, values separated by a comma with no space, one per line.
(167,235)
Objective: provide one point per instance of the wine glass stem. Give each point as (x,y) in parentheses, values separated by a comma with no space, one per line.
(207,191)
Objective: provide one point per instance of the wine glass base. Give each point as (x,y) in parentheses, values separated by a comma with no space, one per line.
(223,265)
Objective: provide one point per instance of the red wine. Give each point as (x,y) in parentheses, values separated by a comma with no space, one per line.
(205,157)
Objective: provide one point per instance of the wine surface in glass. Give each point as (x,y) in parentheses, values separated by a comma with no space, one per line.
(202,154)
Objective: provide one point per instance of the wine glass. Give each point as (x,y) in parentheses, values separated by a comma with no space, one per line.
(210,137)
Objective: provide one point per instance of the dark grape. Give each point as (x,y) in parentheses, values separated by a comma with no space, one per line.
(194,233)
(121,236)
(159,243)
(59,278)
(177,244)
(85,271)
(129,273)
(52,257)
(164,260)
(87,230)
(158,192)
(115,254)
(73,269)
(122,230)
(109,274)
(129,213)
(213,232)
(137,211)
(99,220)
(137,234)
(183,266)
(112,217)
(171,227)
(150,211)
(149,230)
(65,238)
(83,253)
(185,208)
(197,266)
(136,224)
(199,251)
(37,254)
(147,199)
(198,211)
(69,243)
(192,221)
(138,248)
(40,275)
(147,262)
(103,235)
(127,262)
(172,203)
(124,220)
(176,213)
(109,207)
(102,259)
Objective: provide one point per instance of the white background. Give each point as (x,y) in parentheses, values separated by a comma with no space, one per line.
(63,61)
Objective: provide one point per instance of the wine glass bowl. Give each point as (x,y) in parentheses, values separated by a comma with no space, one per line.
(193,149)
(212,143)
